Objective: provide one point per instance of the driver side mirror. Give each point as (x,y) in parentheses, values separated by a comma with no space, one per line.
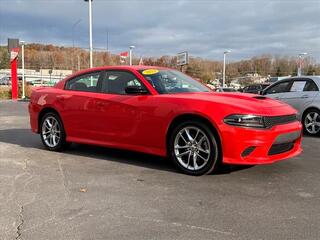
(262,92)
(136,90)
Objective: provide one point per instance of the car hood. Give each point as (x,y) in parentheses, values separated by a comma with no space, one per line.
(250,103)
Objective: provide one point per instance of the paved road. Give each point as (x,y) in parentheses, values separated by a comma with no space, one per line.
(98,193)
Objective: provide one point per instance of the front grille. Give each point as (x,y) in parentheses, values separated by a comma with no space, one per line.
(278,120)
(280,148)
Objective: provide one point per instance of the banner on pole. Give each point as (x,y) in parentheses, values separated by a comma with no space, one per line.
(123,57)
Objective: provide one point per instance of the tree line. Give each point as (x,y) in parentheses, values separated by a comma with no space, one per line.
(39,56)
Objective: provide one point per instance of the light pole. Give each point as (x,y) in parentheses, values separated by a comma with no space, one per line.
(90,31)
(130,54)
(23,80)
(300,63)
(224,67)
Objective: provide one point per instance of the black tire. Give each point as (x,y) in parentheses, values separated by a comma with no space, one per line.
(213,159)
(62,144)
(305,121)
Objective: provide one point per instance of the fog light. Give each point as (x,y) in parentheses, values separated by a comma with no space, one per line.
(248,151)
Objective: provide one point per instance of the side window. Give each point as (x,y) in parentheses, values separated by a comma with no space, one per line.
(279,88)
(310,86)
(115,82)
(298,86)
(85,83)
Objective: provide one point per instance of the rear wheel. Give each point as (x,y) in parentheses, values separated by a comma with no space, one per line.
(194,148)
(52,132)
(311,122)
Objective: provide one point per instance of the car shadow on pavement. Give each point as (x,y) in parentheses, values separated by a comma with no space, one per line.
(26,139)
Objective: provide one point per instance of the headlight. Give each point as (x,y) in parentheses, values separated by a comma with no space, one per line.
(245,121)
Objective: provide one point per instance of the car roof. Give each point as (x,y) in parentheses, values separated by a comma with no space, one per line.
(133,67)
(316,79)
(60,84)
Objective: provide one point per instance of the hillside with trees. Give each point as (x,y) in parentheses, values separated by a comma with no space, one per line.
(39,56)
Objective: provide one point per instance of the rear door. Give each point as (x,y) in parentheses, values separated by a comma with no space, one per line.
(302,93)
(78,105)
(277,90)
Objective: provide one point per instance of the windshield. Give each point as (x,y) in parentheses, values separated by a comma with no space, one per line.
(171,81)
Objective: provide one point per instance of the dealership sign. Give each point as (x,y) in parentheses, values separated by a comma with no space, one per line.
(182,58)
(13,49)
(14,54)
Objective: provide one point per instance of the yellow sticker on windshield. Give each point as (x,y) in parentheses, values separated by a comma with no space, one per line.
(150,71)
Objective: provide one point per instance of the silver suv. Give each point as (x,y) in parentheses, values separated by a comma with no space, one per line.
(303,94)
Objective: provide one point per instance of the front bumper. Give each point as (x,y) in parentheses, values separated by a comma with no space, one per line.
(260,146)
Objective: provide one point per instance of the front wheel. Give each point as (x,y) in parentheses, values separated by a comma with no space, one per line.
(52,132)
(311,122)
(194,148)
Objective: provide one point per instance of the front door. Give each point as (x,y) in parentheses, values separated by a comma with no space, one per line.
(119,115)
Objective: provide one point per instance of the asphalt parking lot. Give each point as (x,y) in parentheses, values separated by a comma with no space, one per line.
(98,193)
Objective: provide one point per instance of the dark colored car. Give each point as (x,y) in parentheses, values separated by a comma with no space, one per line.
(255,88)
(225,89)
(5,81)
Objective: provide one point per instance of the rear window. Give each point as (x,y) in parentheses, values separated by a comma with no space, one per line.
(310,86)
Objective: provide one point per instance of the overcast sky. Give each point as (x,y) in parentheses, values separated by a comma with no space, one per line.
(164,27)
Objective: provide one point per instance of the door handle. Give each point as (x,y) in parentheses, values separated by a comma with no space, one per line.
(304,96)
(100,104)
(277,98)
(60,98)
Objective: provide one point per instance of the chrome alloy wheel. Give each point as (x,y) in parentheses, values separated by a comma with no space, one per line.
(192,148)
(312,122)
(51,131)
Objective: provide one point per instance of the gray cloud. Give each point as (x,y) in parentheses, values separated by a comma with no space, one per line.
(204,28)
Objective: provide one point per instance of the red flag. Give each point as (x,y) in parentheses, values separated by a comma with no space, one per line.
(124,54)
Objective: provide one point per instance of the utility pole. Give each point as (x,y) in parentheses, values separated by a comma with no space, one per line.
(300,59)
(78,62)
(73,27)
(130,54)
(107,41)
(224,67)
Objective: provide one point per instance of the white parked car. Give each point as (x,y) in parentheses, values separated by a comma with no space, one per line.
(303,94)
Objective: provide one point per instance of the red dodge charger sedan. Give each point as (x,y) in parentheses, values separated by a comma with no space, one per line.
(164,112)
